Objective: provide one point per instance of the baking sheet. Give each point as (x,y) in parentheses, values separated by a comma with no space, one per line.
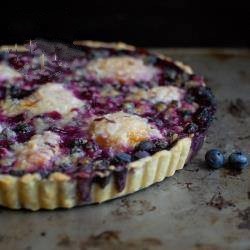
(195,209)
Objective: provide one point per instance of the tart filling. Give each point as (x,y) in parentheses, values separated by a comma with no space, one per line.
(89,114)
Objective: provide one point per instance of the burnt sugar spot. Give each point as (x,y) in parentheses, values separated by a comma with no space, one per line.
(128,208)
(244,215)
(218,201)
(111,240)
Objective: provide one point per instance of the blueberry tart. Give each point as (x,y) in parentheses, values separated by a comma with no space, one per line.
(90,122)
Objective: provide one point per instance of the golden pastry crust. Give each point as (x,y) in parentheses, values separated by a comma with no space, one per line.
(97,44)
(59,191)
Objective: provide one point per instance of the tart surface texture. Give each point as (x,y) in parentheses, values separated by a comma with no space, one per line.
(90,122)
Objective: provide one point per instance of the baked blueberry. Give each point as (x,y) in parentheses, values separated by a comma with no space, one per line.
(214,158)
(141,154)
(146,146)
(191,128)
(23,128)
(79,142)
(122,158)
(17,92)
(161,145)
(238,160)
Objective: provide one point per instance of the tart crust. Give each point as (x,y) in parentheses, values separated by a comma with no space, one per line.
(60,191)
(32,192)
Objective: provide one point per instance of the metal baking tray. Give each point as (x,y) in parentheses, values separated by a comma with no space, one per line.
(195,209)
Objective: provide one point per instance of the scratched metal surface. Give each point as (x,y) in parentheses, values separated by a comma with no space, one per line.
(195,209)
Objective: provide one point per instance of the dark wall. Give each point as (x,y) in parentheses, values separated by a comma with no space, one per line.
(144,23)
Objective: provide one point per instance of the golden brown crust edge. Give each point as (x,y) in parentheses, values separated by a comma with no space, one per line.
(59,191)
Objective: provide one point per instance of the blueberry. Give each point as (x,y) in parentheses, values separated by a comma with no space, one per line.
(17,92)
(145,146)
(202,95)
(214,158)
(101,165)
(122,158)
(141,154)
(160,144)
(23,128)
(238,160)
(78,142)
(17,172)
(191,128)
(204,117)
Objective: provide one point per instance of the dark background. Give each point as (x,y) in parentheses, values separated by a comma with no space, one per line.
(154,23)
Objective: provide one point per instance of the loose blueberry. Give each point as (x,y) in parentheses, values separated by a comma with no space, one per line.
(238,160)
(122,158)
(214,158)
(141,154)
(146,146)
